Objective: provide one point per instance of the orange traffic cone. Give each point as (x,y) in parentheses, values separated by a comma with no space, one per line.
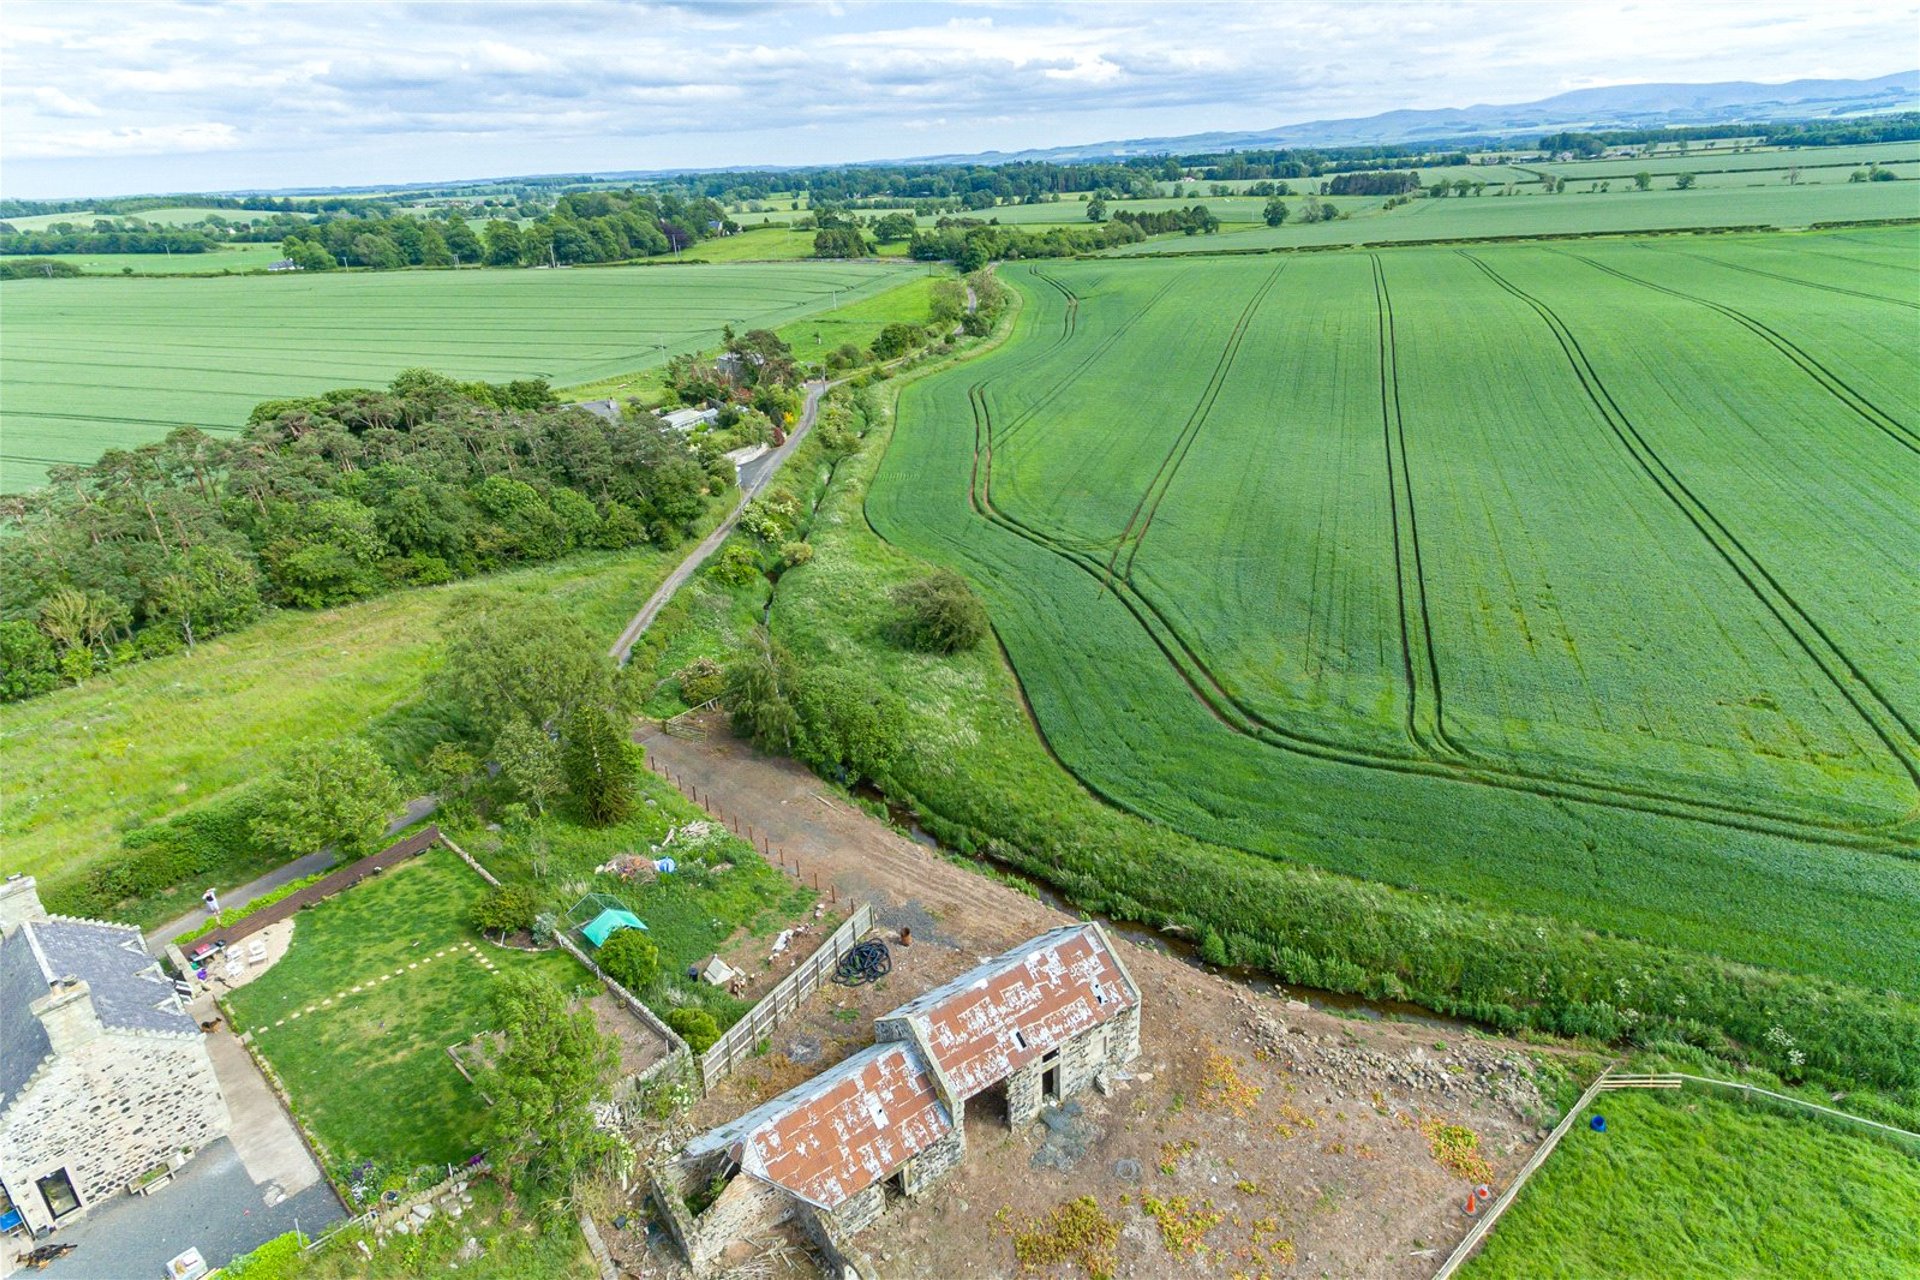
(1473,1204)
(1483,1193)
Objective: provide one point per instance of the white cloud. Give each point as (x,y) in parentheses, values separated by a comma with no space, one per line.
(339,92)
(58,102)
(131,140)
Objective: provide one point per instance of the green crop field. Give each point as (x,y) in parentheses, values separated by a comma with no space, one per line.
(1540,610)
(1531,212)
(1694,1184)
(1810,160)
(241,257)
(179,216)
(87,365)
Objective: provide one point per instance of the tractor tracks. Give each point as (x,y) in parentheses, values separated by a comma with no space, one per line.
(1420,662)
(1233,712)
(1828,381)
(1887,722)
(1143,511)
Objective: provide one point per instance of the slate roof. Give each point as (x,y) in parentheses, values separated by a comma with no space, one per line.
(129,991)
(988,1023)
(839,1133)
(23,1041)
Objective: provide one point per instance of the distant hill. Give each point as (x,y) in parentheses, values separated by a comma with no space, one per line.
(1625,106)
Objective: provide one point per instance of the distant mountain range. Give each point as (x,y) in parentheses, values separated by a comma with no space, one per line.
(1625,106)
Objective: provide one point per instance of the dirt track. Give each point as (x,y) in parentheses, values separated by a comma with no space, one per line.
(1300,1128)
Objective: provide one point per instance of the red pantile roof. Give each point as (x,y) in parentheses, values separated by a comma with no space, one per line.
(842,1131)
(987,1024)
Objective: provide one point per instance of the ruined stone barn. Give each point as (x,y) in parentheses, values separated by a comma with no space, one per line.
(1045,1019)
(828,1153)
(106,1084)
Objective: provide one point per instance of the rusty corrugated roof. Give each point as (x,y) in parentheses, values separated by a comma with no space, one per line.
(842,1131)
(987,1024)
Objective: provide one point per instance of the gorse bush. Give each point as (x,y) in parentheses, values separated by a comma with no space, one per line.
(630,956)
(939,614)
(696,1027)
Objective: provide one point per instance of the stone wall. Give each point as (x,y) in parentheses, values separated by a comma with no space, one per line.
(860,1210)
(1023,1096)
(933,1163)
(108,1111)
(1123,1037)
(842,1261)
(748,1206)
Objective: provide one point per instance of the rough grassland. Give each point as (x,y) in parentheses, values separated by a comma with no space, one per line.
(368,1070)
(81,765)
(1690,1184)
(90,364)
(1537,611)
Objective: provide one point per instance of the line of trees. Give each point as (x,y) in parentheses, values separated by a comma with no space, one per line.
(1902,127)
(321,501)
(583,227)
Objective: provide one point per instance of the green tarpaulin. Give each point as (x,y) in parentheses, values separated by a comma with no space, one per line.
(609,922)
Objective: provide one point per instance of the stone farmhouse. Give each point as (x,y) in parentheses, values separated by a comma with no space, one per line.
(1043,1021)
(105,1080)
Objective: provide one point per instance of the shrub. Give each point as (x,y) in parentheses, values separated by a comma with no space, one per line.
(696,1026)
(327,793)
(939,614)
(701,680)
(504,909)
(27,663)
(735,566)
(601,770)
(795,554)
(632,960)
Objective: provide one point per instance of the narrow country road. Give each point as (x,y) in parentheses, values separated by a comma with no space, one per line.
(753,478)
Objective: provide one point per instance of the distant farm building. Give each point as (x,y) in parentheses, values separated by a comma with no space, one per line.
(1044,1020)
(105,1080)
(284,264)
(685,420)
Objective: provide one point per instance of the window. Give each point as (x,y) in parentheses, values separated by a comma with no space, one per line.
(57,1190)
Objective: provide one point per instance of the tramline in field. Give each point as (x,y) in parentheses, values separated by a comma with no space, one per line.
(1404,590)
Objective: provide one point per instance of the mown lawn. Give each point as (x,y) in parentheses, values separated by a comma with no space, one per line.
(368,1069)
(1691,1184)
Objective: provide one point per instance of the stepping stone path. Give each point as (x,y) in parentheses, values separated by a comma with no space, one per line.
(472,951)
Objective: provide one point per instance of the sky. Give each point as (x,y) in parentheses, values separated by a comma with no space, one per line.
(106,98)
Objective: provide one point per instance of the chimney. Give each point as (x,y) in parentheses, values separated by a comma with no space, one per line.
(19,903)
(67,1013)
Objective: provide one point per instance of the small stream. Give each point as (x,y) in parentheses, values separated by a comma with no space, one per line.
(1182,949)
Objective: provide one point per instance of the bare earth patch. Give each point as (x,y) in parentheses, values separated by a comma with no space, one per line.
(1254,1136)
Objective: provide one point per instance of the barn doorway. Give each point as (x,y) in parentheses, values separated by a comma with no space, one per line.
(989,1108)
(1050,1077)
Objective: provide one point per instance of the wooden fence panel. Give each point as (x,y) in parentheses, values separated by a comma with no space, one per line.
(780,1003)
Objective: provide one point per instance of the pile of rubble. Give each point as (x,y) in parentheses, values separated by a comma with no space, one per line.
(1461,1067)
